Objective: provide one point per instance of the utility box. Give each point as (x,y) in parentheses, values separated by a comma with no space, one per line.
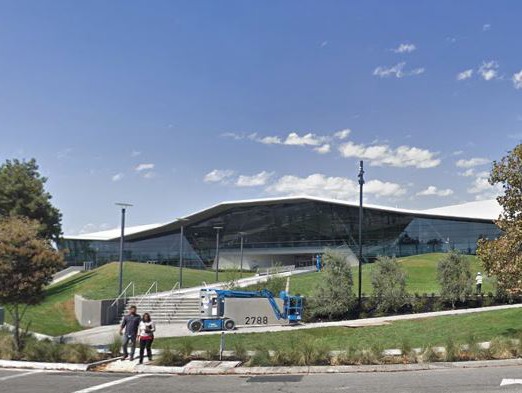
(252,311)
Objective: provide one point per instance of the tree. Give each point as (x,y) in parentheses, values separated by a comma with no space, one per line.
(27,264)
(502,257)
(22,193)
(334,297)
(389,285)
(454,276)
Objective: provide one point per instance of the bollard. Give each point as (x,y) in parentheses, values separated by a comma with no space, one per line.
(221,346)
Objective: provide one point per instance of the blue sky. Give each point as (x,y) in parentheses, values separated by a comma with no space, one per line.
(177,105)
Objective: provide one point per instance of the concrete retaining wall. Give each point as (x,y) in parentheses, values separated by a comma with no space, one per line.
(252,312)
(92,313)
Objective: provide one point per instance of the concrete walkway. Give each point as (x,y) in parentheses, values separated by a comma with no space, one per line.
(105,334)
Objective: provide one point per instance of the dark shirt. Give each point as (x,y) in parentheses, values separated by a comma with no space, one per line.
(131,324)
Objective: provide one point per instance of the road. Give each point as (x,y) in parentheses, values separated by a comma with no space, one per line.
(448,380)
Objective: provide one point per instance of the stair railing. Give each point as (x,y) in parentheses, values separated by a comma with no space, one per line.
(123,295)
(154,286)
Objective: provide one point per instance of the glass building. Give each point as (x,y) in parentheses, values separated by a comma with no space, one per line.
(291,231)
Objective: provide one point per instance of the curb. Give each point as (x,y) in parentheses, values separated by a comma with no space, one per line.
(53,366)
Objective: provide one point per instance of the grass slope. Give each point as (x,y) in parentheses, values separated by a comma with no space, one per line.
(55,315)
(421,272)
(419,333)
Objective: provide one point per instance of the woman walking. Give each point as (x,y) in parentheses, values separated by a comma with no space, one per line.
(146,336)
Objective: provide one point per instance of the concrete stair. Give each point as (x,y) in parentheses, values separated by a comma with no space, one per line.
(166,310)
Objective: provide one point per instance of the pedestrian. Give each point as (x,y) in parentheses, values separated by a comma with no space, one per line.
(146,336)
(130,324)
(478,280)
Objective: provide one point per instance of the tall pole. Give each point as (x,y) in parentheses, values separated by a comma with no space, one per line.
(241,257)
(361,183)
(217,251)
(122,238)
(181,257)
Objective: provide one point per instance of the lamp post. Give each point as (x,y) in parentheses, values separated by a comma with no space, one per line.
(361,184)
(241,234)
(183,221)
(124,207)
(217,251)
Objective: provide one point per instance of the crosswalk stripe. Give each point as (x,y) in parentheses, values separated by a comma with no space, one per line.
(18,375)
(110,384)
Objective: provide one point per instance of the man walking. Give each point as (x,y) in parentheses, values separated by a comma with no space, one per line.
(130,323)
(478,280)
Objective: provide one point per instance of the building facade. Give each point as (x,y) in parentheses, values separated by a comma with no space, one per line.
(291,231)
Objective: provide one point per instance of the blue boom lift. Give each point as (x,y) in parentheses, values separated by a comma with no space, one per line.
(212,307)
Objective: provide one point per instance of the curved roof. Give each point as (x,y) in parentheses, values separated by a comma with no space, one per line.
(487,210)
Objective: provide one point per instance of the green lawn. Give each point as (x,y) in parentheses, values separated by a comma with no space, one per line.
(421,271)
(418,333)
(55,315)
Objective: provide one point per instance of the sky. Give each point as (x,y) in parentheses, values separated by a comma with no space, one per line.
(175,106)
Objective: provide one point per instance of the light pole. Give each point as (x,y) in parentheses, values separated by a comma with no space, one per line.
(183,221)
(124,207)
(241,234)
(217,251)
(361,184)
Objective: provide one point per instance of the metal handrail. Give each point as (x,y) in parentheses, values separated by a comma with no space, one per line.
(147,293)
(124,293)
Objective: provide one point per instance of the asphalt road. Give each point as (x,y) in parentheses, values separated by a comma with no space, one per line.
(452,380)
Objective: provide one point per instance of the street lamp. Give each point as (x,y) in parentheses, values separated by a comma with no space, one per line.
(183,221)
(361,184)
(217,251)
(124,207)
(241,234)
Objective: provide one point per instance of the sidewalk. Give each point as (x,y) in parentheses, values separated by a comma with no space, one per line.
(104,335)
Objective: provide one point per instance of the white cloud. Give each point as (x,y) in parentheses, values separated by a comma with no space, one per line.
(324,149)
(458,152)
(271,140)
(486,27)
(465,75)
(332,187)
(468,172)
(403,156)
(323,44)
(117,177)
(472,162)
(343,134)
(135,153)
(481,187)
(144,167)
(517,80)
(488,70)
(397,70)
(90,228)
(308,139)
(218,176)
(432,190)
(404,48)
(149,175)
(256,180)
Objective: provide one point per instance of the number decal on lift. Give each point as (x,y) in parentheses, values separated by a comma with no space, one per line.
(256,320)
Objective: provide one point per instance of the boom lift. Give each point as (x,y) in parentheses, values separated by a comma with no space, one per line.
(212,308)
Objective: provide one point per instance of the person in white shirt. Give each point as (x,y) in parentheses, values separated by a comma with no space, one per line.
(478,280)
(146,331)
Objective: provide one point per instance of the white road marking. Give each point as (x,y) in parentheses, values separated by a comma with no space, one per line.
(20,375)
(112,383)
(507,381)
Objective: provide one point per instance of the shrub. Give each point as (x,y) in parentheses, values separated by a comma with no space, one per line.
(334,297)
(501,348)
(389,285)
(42,351)
(114,347)
(240,351)
(313,353)
(78,353)
(186,348)
(454,276)
(429,355)
(7,347)
(452,353)
(260,359)
(169,357)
